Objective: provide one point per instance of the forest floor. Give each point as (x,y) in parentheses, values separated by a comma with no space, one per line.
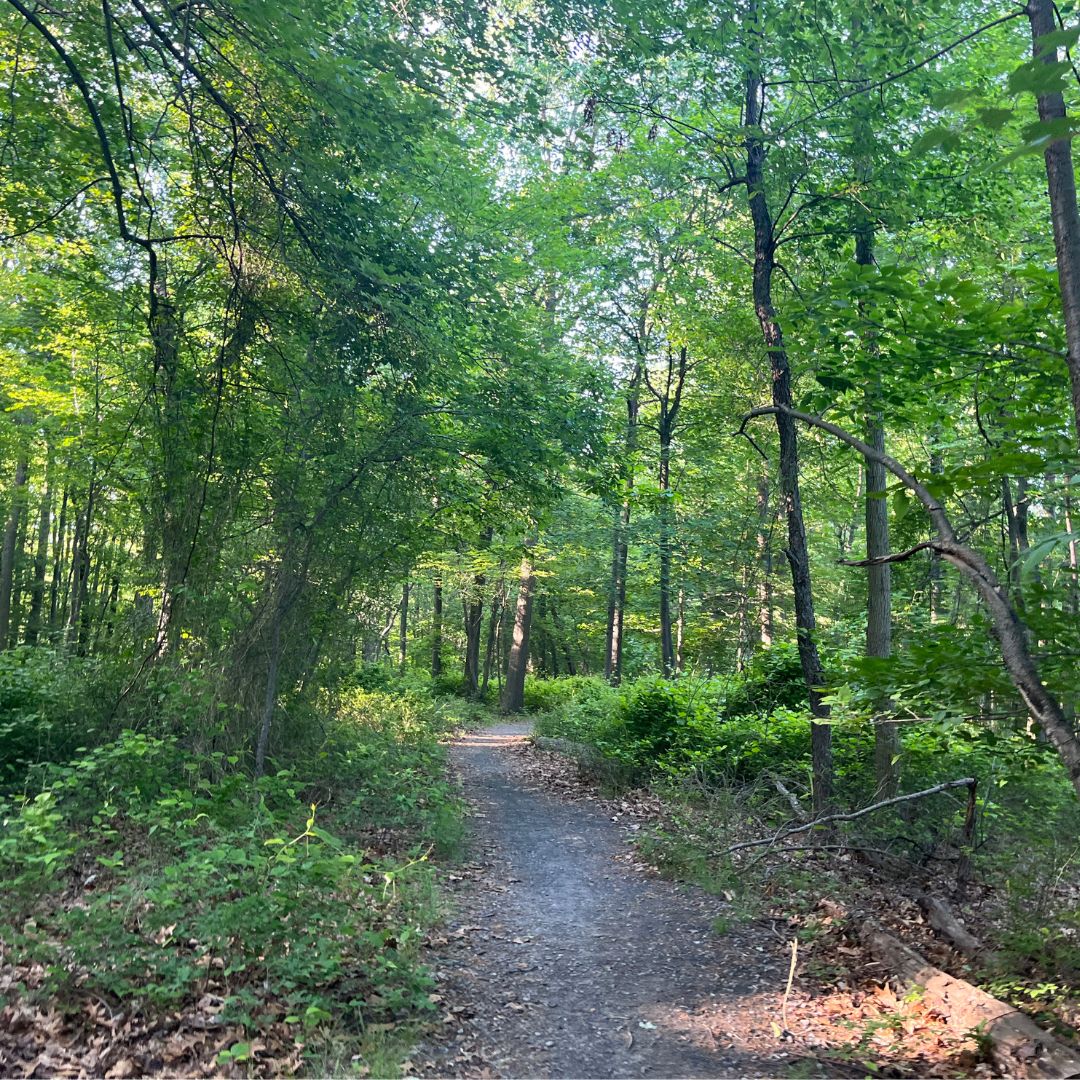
(566,956)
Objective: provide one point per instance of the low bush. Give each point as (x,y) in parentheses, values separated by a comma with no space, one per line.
(139,870)
(50,703)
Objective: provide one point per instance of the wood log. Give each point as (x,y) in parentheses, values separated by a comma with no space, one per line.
(1018,1046)
(940,916)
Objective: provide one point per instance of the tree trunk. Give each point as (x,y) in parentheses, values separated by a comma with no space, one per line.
(494,620)
(764,547)
(879,607)
(41,557)
(797,552)
(667,637)
(474,620)
(59,544)
(18,577)
(680,630)
(937,571)
(11,538)
(621,540)
(879,576)
(273,668)
(513,698)
(1061,183)
(562,639)
(172,424)
(436,630)
(473,606)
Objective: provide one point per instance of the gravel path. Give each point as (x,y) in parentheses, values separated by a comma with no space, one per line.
(566,961)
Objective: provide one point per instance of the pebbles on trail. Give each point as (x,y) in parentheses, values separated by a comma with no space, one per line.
(564,961)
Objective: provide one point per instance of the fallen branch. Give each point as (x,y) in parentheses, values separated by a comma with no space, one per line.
(940,916)
(967,781)
(792,798)
(1018,1046)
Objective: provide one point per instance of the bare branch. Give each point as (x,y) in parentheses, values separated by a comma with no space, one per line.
(967,781)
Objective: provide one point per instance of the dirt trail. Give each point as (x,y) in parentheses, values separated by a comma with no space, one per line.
(565,961)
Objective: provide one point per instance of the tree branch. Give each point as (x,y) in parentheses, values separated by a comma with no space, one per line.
(967,781)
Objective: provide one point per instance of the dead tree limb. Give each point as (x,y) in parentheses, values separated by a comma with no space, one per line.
(1018,1046)
(967,781)
(1010,632)
(792,798)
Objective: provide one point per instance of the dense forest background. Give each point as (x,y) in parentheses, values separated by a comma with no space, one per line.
(405,349)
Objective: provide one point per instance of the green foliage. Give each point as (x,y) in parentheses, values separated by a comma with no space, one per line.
(773,679)
(141,870)
(50,702)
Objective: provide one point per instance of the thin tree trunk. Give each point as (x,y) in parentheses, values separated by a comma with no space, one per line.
(473,607)
(879,574)
(937,571)
(680,629)
(436,630)
(59,544)
(879,607)
(80,577)
(1074,560)
(797,552)
(41,558)
(667,639)
(18,577)
(273,668)
(765,567)
(563,640)
(489,650)
(513,697)
(474,620)
(621,540)
(11,537)
(1061,183)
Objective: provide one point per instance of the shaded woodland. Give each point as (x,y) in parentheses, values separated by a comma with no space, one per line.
(704,378)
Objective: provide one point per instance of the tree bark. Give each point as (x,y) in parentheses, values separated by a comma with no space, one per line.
(937,574)
(41,557)
(1061,183)
(473,607)
(18,577)
(273,669)
(879,574)
(436,629)
(621,539)
(764,549)
(494,619)
(667,638)
(59,548)
(513,698)
(474,620)
(403,627)
(11,537)
(669,401)
(797,552)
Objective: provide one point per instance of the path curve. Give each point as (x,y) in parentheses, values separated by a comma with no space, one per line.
(565,962)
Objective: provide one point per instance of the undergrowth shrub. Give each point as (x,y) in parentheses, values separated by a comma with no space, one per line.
(574,707)
(142,870)
(50,703)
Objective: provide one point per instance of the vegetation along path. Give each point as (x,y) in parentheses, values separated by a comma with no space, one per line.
(573,963)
